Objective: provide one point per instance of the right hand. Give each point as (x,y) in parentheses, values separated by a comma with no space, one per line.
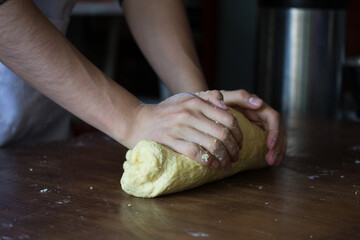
(201,129)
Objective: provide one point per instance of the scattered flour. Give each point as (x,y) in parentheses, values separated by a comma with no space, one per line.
(313,177)
(198,234)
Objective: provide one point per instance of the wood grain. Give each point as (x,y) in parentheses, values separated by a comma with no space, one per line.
(314,194)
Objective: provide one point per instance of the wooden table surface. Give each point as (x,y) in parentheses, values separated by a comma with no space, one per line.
(71,190)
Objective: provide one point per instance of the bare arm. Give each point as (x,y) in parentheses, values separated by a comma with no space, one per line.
(161,29)
(32,48)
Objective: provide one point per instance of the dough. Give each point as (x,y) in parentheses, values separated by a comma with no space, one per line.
(152,169)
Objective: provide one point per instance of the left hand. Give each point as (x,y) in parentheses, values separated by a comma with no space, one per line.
(264,116)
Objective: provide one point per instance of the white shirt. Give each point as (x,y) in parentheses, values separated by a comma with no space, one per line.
(27,116)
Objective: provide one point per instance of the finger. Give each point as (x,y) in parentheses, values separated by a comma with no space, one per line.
(218,115)
(271,119)
(195,152)
(215,97)
(225,133)
(226,119)
(271,157)
(209,143)
(252,115)
(242,98)
(216,122)
(275,156)
(283,141)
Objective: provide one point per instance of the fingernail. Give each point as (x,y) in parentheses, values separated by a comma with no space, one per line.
(255,101)
(273,159)
(215,163)
(220,104)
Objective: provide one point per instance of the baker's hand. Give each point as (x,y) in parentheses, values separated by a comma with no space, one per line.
(203,130)
(263,115)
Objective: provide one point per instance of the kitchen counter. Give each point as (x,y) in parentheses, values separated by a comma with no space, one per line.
(71,190)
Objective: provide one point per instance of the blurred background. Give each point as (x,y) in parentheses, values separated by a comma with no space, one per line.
(302,59)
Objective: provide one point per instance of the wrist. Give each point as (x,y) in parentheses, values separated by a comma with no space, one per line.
(127,133)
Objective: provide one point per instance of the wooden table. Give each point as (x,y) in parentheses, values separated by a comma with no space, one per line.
(71,190)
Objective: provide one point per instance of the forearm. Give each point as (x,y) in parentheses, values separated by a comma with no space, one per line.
(32,48)
(161,30)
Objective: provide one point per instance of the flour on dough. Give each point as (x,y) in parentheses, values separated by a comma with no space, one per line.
(152,169)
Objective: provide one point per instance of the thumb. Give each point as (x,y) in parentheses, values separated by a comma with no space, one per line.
(241,98)
(215,97)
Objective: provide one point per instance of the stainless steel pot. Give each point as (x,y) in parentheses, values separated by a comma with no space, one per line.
(300,53)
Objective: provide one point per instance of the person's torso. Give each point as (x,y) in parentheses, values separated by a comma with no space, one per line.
(27,116)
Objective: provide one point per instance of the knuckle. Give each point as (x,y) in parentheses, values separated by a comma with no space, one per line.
(214,146)
(275,118)
(191,151)
(232,121)
(217,94)
(220,153)
(243,93)
(224,134)
(200,155)
(275,114)
(184,115)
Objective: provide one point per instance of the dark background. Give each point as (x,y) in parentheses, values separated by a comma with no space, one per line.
(224,33)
